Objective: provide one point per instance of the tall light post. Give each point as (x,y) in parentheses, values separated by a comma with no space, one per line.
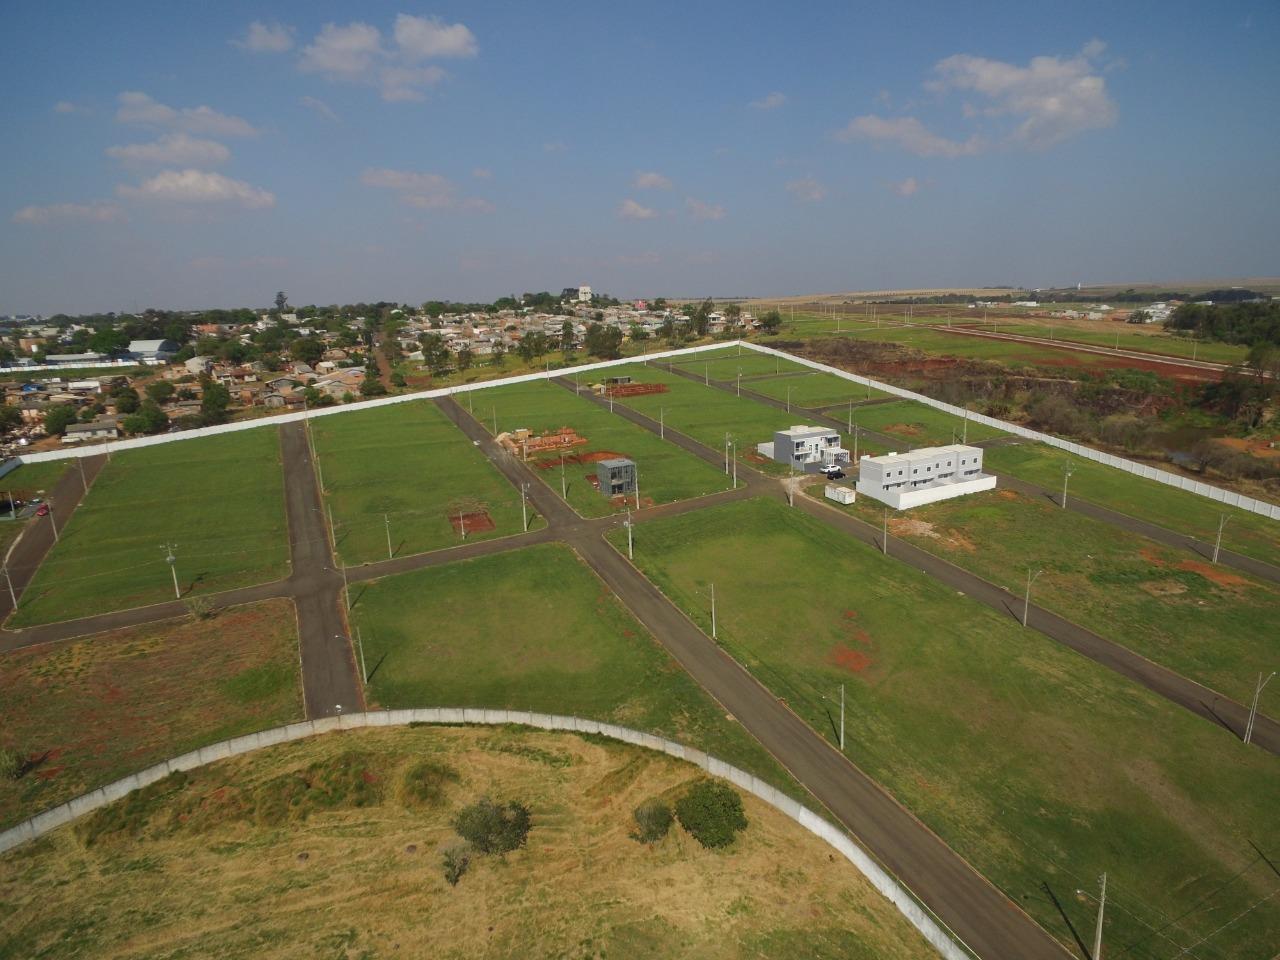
(739,379)
(788,398)
(631,553)
(713,611)
(636,473)
(364,671)
(172,560)
(726,453)
(1217,544)
(564,487)
(386,519)
(1102,908)
(1253,709)
(524,509)
(1066,475)
(734,457)
(1026,600)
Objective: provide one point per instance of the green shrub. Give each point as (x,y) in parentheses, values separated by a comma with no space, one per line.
(712,812)
(493,828)
(423,784)
(653,820)
(456,859)
(12,763)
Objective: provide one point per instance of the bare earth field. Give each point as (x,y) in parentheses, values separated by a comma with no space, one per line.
(352,868)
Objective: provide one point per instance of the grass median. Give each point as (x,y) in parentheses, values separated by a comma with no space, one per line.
(1041,768)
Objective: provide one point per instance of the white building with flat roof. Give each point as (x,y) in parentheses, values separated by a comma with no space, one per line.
(927,475)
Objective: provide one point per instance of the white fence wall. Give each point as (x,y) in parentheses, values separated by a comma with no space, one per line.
(1217,494)
(919,916)
(1228,497)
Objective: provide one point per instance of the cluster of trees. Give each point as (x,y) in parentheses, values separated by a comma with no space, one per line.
(1241,322)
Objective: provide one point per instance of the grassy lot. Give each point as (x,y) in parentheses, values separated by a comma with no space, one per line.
(666,472)
(1038,766)
(29,480)
(353,867)
(813,389)
(728,367)
(920,425)
(1189,513)
(219,499)
(706,413)
(1126,337)
(89,712)
(576,651)
(410,464)
(1208,623)
(937,341)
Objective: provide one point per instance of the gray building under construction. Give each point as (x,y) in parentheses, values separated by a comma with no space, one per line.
(616,475)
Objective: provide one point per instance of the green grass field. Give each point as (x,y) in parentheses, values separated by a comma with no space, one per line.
(219,499)
(1038,766)
(813,389)
(707,413)
(728,366)
(29,480)
(1208,623)
(534,629)
(409,464)
(666,472)
(1125,337)
(920,425)
(1189,513)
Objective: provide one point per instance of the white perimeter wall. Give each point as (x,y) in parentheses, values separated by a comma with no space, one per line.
(1217,494)
(919,916)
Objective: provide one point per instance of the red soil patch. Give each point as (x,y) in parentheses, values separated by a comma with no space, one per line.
(590,456)
(635,389)
(1213,574)
(752,456)
(903,430)
(48,773)
(1007,494)
(1257,448)
(1150,555)
(855,661)
(851,614)
(625,499)
(476,522)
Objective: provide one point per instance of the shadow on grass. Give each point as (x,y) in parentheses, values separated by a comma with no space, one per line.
(376,667)
(1075,935)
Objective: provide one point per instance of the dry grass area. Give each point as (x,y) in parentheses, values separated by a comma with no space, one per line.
(90,711)
(366,881)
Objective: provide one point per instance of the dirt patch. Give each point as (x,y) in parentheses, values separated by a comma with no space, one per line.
(635,389)
(626,499)
(752,456)
(906,527)
(1162,588)
(589,456)
(846,658)
(1214,574)
(1152,557)
(1269,449)
(1007,494)
(903,430)
(958,541)
(477,521)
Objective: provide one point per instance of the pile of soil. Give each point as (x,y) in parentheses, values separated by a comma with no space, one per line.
(475,522)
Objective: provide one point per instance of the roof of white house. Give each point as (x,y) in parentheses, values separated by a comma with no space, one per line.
(923,453)
(800,430)
(148,346)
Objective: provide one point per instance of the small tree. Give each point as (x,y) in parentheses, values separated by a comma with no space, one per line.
(12,763)
(465,359)
(653,820)
(58,417)
(456,858)
(499,355)
(161,391)
(492,827)
(712,812)
(771,322)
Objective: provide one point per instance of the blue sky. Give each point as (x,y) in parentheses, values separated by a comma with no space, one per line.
(160,157)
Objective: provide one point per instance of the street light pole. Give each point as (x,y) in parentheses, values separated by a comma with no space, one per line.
(1253,709)
(387,520)
(739,379)
(713,611)
(631,553)
(788,398)
(1097,933)
(734,458)
(524,510)
(1026,600)
(13,596)
(564,489)
(1217,545)
(842,718)
(173,568)
(364,671)
(1066,475)
(726,453)
(637,476)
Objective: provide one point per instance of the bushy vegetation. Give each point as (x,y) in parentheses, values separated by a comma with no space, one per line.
(653,820)
(12,763)
(425,782)
(493,827)
(712,813)
(1247,323)
(456,858)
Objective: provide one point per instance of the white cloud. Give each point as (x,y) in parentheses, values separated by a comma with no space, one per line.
(178,149)
(141,108)
(319,106)
(631,210)
(700,210)
(1052,98)
(646,259)
(197,186)
(905,188)
(266,38)
(423,191)
(66,106)
(400,84)
(554,146)
(343,53)
(99,211)
(356,53)
(909,134)
(770,102)
(650,181)
(424,38)
(806,189)
(482,173)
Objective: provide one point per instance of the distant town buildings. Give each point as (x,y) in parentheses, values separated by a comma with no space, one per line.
(927,475)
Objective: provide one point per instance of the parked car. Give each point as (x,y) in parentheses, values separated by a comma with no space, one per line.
(42,510)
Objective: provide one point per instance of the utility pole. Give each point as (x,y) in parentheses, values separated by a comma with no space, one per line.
(1026,600)
(1066,475)
(788,398)
(631,553)
(739,381)
(734,457)
(495,421)
(1102,907)
(884,540)
(346,587)
(1253,709)
(13,596)
(662,423)
(364,671)
(564,488)
(637,476)
(387,520)
(524,510)
(52,522)
(169,548)
(713,611)
(855,445)
(842,718)
(462,523)
(964,436)
(1217,544)
(726,453)
(850,417)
